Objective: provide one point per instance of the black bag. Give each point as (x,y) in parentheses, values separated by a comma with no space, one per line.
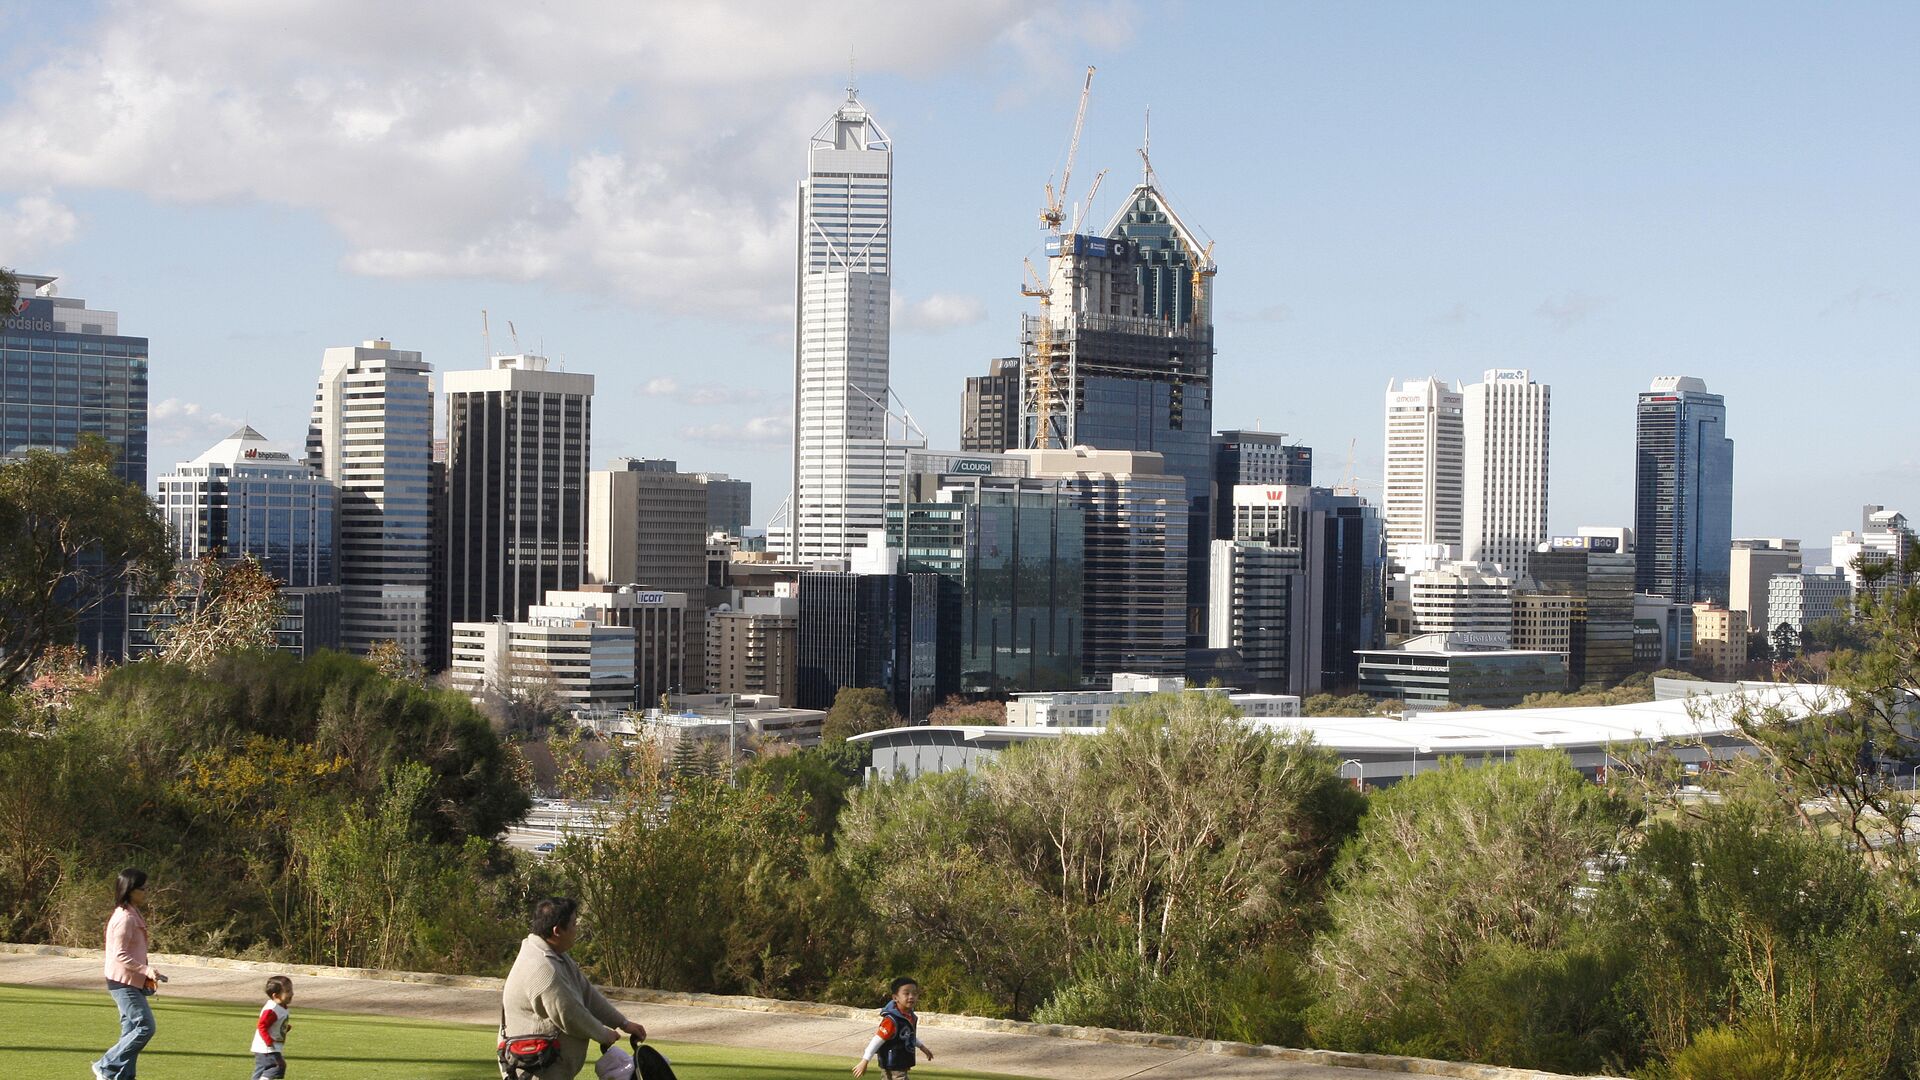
(650,1064)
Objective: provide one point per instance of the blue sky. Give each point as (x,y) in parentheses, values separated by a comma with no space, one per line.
(1602,194)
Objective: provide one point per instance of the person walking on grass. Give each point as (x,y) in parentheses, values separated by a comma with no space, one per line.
(131,980)
(898,1036)
(549,1012)
(270,1031)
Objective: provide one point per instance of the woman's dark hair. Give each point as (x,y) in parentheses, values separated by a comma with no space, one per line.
(130,879)
(900,982)
(553,913)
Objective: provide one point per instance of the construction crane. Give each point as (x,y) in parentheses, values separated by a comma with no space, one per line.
(1039,379)
(1052,213)
(1042,374)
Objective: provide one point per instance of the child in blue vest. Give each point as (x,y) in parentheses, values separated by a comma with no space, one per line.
(898,1036)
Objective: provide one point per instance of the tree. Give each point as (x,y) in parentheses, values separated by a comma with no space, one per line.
(1447,866)
(957,711)
(856,711)
(72,533)
(1842,755)
(389,659)
(9,291)
(1786,643)
(218,607)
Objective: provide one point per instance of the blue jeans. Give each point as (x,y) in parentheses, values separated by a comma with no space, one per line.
(136,1029)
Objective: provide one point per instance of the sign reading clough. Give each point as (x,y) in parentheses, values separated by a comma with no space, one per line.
(973,467)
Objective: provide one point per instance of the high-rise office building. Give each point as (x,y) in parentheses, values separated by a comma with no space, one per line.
(1129,359)
(885,630)
(518,436)
(1346,596)
(1135,595)
(1754,564)
(1598,579)
(1015,548)
(372,434)
(1882,545)
(245,497)
(844,464)
(754,649)
(1425,460)
(1505,422)
(729,503)
(1683,492)
(648,525)
(1254,458)
(990,408)
(67,371)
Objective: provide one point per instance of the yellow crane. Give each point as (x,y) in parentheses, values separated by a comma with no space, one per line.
(1039,379)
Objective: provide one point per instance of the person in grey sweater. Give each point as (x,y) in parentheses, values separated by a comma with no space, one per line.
(546,994)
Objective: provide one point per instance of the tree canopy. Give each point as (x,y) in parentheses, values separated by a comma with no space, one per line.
(72,534)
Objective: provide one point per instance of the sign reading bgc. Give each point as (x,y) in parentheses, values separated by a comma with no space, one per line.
(32,314)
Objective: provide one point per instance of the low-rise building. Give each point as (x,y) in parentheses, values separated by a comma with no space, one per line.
(1795,601)
(754,650)
(1662,632)
(1459,670)
(588,665)
(659,622)
(1719,640)
(1543,623)
(1094,708)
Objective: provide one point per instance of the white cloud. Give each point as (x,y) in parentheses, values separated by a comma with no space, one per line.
(177,421)
(703,393)
(1570,310)
(939,313)
(36,225)
(774,430)
(643,149)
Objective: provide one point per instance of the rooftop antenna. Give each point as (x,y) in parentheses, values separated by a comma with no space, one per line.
(486,335)
(1146,146)
(851,90)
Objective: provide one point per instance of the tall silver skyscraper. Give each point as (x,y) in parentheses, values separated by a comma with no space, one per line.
(372,434)
(1506,420)
(843,463)
(1424,464)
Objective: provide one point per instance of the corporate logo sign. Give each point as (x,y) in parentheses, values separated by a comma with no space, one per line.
(973,467)
(34,314)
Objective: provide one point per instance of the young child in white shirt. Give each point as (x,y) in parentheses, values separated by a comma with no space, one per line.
(270,1032)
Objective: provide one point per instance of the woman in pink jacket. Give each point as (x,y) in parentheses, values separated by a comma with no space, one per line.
(130,979)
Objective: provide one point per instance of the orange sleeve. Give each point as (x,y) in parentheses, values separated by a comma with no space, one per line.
(886,1027)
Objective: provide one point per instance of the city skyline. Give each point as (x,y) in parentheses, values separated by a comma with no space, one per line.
(1709,220)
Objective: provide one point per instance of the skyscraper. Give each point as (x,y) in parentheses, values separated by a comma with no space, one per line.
(66,371)
(990,408)
(648,527)
(1425,464)
(1128,345)
(1683,492)
(518,436)
(843,462)
(1504,496)
(245,497)
(372,434)
(1257,458)
(1134,592)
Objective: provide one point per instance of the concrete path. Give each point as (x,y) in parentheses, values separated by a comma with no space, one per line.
(984,1051)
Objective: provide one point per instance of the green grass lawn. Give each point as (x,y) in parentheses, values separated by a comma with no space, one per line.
(55,1033)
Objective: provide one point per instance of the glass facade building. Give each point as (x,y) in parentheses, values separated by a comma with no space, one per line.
(1253,457)
(67,371)
(1683,493)
(1016,552)
(886,631)
(1600,582)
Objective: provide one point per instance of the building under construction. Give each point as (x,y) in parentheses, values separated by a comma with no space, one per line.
(1121,357)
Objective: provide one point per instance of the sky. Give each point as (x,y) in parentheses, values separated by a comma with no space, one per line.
(1602,194)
